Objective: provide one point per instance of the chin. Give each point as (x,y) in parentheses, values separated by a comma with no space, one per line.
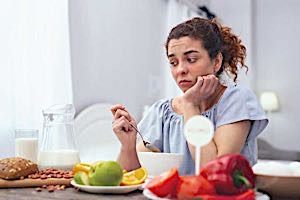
(183,89)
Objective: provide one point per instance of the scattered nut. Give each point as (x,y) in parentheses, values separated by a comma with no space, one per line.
(51,188)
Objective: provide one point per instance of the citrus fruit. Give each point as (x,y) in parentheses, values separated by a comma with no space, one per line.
(135,177)
(81,178)
(81,167)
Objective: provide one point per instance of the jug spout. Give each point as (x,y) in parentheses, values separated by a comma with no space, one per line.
(60,112)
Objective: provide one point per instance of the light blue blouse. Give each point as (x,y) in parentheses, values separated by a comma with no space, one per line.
(163,127)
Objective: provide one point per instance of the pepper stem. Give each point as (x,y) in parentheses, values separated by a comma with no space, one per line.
(240,180)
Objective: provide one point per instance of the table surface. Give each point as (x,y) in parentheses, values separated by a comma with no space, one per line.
(69,193)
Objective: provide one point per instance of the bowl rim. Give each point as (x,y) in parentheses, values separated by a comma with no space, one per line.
(277,176)
(159,153)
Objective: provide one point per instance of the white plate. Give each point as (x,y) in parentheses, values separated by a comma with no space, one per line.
(106,189)
(150,195)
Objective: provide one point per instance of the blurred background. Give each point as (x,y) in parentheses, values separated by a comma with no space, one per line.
(93,51)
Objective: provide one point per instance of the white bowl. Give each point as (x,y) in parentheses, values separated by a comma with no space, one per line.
(278,178)
(158,163)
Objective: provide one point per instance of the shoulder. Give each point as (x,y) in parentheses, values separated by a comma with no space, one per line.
(236,91)
(160,106)
(239,103)
(161,103)
(237,95)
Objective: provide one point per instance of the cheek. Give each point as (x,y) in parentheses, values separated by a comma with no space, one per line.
(203,69)
(173,72)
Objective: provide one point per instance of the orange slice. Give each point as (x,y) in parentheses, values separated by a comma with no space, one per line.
(81,167)
(135,177)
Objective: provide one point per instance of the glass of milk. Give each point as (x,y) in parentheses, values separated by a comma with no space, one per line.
(26,144)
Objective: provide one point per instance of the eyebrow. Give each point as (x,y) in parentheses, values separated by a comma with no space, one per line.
(185,53)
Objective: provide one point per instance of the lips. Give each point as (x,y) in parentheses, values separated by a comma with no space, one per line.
(185,83)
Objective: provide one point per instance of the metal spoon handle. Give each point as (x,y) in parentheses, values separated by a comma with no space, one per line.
(148,145)
(138,133)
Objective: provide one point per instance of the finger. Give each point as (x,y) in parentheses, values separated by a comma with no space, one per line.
(121,125)
(206,83)
(215,82)
(116,107)
(126,124)
(210,81)
(199,82)
(119,113)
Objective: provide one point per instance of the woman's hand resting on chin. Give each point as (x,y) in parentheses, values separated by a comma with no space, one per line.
(204,88)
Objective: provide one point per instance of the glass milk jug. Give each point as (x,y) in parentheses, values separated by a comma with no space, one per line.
(58,146)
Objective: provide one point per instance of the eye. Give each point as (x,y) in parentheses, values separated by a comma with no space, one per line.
(173,63)
(191,60)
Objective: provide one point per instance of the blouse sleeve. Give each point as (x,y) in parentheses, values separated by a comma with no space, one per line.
(151,125)
(241,104)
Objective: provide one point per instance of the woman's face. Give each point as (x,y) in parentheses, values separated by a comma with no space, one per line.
(188,60)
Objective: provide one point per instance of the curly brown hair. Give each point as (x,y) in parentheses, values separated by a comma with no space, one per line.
(215,38)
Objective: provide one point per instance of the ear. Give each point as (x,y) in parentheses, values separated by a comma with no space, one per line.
(217,64)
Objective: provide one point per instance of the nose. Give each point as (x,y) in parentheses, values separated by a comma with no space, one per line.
(182,68)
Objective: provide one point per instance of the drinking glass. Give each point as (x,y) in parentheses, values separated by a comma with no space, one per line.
(26,144)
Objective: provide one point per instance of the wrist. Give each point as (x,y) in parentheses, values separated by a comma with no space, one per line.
(191,107)
(128,149)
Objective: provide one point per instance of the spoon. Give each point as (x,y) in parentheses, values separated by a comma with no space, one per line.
(148,145)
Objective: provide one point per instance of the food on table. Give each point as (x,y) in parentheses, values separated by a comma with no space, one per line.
(165,184)
(82,174)
(28,175)
(81,167)
(81,178)
(16,167)
(50,188)
(190,186)
(106,173)
(230,174)
(228,177)
(134,177)
(51,173)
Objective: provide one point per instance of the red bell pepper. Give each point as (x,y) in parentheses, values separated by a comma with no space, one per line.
(230,174)
(248,195)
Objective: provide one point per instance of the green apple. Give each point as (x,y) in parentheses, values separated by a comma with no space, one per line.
(81,178)
(106,173)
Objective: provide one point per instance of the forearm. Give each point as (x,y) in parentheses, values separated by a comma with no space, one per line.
(208,152)
(128,159)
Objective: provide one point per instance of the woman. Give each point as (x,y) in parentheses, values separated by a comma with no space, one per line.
(199,52)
